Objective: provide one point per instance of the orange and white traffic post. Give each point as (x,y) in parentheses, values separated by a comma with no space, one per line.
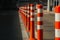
(23,13)
(28,19)
(57,23)
(26,14)
(32,37)
(39,8)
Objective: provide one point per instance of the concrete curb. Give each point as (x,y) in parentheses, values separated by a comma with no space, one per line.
(24,33)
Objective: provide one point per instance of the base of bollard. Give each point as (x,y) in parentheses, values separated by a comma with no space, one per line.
(28,30)
(32,39)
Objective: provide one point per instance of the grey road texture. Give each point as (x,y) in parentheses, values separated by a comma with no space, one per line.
(9,25)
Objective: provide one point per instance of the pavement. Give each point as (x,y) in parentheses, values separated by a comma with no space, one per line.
(24,33)
(48,25)
(9,25)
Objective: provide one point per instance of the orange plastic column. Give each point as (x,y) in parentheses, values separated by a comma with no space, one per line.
(39,21)
(57,23)
(32,37)
(28,19)
(23,16)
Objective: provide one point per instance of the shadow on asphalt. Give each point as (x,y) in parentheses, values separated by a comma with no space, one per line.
(9,25)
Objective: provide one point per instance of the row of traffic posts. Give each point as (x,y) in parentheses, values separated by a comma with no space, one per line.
(27,14)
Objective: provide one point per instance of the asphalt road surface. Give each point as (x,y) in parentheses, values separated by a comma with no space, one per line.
(9,25)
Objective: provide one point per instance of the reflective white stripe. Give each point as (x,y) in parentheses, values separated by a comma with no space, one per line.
(24,13)
(31,19)
(57,32)
(28,11)
(27,15)
(31,8)
(31,13)
(28,7)
(39,18)
(57,16)
(39,27)
(24,10)
(39,10)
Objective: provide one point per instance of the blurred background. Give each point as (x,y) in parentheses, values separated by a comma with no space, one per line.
(14,4)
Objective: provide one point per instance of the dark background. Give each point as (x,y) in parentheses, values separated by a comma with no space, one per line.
(9,21)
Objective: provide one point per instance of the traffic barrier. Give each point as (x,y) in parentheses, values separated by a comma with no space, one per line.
(23,14)
(27,13)
(28,17)
(39,21)
(57,23)
(32,36)
(30,21)
(26,9)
